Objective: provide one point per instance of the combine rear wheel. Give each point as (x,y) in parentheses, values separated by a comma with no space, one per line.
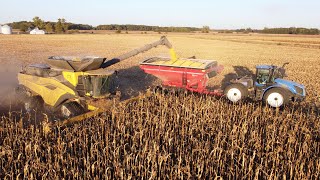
(236,92)
(71,109)
(33,103)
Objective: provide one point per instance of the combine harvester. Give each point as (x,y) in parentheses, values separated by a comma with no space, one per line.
(69,85)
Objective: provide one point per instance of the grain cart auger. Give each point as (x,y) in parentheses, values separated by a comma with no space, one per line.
(68,85)
(267,85)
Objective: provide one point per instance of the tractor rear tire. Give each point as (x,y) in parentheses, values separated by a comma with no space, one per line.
(276,97)
(71,109)
(33,103)
(236,92)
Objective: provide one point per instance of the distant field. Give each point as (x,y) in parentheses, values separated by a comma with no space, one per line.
(167,136)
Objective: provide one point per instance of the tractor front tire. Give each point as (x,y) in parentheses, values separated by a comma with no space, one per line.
(276,97)
(236,92)
(71,109)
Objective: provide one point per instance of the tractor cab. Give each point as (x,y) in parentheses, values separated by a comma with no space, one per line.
(267,74)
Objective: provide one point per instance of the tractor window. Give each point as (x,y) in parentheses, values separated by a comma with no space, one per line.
(263,76)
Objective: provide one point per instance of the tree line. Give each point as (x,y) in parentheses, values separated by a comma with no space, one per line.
(62,26)
(130,27)
(291,30)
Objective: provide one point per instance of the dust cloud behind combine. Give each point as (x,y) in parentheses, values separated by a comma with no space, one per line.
(9,101)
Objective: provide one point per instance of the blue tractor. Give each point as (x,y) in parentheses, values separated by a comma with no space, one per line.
(268,85)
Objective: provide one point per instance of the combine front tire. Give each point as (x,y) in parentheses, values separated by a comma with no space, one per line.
(236,92)
(71,109)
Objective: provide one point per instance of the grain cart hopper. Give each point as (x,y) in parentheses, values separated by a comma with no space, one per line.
(267,85)
(67,85)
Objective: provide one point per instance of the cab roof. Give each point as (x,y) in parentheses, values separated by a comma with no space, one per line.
(264,67)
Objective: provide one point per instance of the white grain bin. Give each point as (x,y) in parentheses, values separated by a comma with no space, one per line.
(6,29)
(37,31)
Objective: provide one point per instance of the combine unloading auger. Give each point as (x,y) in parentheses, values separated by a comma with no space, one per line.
(163,41)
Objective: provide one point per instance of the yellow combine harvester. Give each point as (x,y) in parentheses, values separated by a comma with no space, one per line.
(67,85)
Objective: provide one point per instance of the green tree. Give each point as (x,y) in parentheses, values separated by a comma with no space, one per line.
(23,27)
(38,22)
(64,24)
(49,28)
(59,27)
(205,29)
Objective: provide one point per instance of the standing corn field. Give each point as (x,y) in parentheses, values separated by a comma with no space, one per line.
(184,136)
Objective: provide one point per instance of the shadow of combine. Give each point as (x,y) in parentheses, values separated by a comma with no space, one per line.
(133,80)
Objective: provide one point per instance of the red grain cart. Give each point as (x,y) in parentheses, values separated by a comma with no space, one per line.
(191,74)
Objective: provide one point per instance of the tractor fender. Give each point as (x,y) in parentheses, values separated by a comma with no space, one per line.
(245,81)
(234,82)
(245,89)
(288,92)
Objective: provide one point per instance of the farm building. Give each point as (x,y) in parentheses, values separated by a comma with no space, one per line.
(6,29)
(37,31)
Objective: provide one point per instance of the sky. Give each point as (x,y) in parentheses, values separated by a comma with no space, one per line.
(221,14)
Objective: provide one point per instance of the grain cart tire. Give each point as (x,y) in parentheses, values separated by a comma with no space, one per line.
(33,103)
(236,92)
(71,109)
(276,97)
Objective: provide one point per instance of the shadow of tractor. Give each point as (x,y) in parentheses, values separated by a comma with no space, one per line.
(239,71)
